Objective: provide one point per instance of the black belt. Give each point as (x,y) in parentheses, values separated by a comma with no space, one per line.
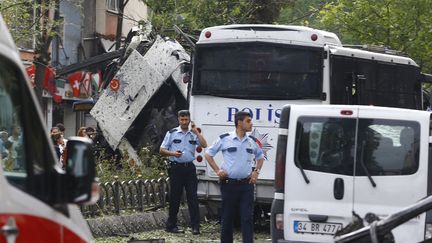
(231,181)
(185,164)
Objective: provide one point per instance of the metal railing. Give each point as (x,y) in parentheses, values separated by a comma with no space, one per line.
(129,196)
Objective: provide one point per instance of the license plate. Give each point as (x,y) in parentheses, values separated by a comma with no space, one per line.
(316,228)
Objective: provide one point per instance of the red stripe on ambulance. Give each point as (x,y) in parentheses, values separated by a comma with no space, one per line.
(37,229)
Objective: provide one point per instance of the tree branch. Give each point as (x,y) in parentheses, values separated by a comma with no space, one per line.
(12,5)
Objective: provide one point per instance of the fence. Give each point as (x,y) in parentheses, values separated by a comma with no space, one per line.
(134,195)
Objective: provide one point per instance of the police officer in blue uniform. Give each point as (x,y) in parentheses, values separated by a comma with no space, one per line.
(237,176)
(179,144)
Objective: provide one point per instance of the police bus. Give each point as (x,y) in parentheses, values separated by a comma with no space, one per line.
(260,68)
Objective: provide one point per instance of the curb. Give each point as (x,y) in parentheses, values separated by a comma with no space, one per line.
(138,222)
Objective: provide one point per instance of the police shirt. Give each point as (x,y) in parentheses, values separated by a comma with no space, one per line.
(177,140)
(238,154)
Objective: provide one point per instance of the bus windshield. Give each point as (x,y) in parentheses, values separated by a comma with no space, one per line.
(258,71)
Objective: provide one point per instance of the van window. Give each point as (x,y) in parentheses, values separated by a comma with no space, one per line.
(384,147)
(388,147)
(326,144)
(26,156)
(12,146)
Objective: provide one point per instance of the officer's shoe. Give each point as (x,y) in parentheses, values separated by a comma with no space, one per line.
(196,231)
(174,230)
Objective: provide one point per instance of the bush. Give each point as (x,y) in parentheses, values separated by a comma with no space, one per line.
(150,166)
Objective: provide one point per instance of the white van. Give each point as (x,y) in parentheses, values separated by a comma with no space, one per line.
(336,160)
(37,199)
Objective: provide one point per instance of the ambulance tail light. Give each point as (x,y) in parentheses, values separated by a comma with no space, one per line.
(199,158)
(281,150)
(199,149)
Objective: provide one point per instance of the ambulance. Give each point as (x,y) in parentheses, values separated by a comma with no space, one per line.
(38,199)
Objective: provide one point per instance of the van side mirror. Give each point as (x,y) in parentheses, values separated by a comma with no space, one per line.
(80,169)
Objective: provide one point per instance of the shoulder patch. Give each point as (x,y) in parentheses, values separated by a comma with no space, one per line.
(224,135)
(172,130)
(253,138)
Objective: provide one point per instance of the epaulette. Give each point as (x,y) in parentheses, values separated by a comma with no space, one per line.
(253,138)
(172,130)
(224,135)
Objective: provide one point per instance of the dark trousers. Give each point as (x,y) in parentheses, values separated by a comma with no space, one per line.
(234,197)
(182,176)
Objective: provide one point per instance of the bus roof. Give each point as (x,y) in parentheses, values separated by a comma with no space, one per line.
(296,35)
(370,55)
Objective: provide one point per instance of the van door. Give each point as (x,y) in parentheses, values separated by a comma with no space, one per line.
(319,172)
(388,175)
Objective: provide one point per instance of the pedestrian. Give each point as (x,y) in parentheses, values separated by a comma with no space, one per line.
(62,143)
(15,139)
(237,176)
(9,163)
(179,144)
(62,129)
(3,139)
(82,132)
(54,130)
(91,132)
(57,139)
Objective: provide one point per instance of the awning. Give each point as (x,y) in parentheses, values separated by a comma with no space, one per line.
(83,105)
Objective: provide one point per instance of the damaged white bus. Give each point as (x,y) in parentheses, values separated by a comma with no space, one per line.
(260,68)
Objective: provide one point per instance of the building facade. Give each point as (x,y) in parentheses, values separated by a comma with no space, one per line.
(87,29)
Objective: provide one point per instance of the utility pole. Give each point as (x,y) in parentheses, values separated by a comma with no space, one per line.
(40,69)
(122,4)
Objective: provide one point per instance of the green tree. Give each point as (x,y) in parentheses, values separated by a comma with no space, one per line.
(401,25)
(30,20)
(302,13)
(19,16)
(194,15)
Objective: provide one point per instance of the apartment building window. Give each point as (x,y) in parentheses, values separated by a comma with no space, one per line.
(112,5)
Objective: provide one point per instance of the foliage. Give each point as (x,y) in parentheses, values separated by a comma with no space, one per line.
(124,169)
(33,25)
(302,13)
(192,15)
(401,25)
(18,15)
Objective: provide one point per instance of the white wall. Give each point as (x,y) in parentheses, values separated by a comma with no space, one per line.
(100,16)
(136,10)
(70,118)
